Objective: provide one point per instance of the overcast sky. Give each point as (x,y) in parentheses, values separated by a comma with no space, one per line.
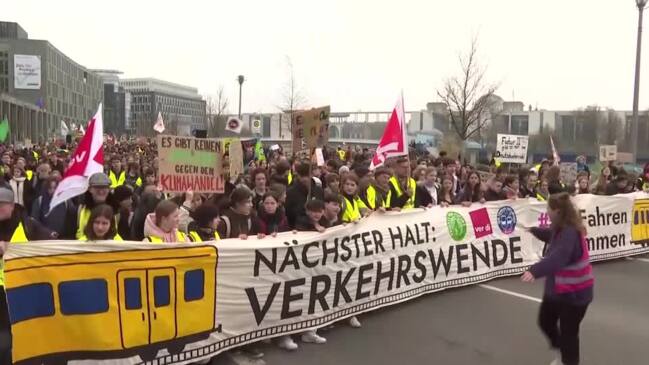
(354,54)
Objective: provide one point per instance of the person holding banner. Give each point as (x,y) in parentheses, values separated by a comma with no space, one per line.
(353,207)
(237,221)
(569,278)
(161,226)
(203,227)
(403,188)
(472,191)
(101,225)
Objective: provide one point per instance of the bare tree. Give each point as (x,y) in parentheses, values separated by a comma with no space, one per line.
(468,96)
(216,109)
(292,96)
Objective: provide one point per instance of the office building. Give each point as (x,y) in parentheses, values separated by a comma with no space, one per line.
(117,103)
(182,108)
(35,72)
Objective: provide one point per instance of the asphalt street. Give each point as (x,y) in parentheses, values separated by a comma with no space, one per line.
(493,323)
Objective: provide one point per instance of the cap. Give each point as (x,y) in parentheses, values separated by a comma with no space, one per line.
(6,195)
(99,179)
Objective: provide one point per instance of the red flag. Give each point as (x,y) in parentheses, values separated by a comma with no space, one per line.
(87,159)
(393,142)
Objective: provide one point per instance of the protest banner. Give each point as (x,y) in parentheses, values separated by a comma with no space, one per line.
(131,302)
(236,158)
(568,172)
(607,153)
(310,128)
(188,163)
(511,148)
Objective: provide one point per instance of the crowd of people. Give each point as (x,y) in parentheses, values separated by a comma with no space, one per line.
(278,193)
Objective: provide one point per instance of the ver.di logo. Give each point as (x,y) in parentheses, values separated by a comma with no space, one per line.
(456,225)
(506,219)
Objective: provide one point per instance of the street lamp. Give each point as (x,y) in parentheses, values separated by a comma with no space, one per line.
(636,91)
(241,79)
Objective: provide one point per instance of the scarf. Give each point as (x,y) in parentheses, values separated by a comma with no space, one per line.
(150,229)
(18,186)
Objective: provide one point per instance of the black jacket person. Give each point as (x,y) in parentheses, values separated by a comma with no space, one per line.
(296,195)
(16,227)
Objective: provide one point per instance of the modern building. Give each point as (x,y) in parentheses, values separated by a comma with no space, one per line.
(36,73)
(117,103)
(182,108)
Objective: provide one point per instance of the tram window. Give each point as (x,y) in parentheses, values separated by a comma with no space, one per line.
(132,293)
(30,301)
(83,296)
(194,285)
(635,217)
(161,291)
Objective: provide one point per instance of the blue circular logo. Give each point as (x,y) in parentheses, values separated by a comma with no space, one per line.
(506,220)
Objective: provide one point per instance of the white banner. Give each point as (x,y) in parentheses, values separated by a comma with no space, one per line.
(27,72)
(511,148)
(177,303)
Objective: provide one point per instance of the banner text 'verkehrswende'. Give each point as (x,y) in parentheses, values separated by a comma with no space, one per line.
(390,272)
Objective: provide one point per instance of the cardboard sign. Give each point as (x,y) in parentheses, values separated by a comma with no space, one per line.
(188,163)
(568,172)
(511,148)
(236,158)
(310,128)
(607,153)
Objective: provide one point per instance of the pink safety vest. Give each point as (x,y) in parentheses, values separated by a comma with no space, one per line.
(577,276)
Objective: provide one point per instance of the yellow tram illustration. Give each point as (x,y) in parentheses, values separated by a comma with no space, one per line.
(110,304)
(640,222)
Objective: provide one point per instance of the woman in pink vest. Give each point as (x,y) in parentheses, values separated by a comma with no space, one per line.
(569,278)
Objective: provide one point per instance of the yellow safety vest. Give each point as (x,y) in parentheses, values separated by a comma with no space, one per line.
(352,210)
(397,187)
(138,182)
(540,197)
(114,181)
(19,236)
(371,198)
(195,237)
(35,154)
(180,237)
(117,237)
(29,174)
(82,220)
(341,155)
(290,177)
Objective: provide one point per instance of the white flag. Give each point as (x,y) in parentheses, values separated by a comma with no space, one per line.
(87,159)
(64,129)
(233,125)
(159,125)
(256,126)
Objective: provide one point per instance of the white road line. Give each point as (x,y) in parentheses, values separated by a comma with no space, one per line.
(637,259)
(514,294)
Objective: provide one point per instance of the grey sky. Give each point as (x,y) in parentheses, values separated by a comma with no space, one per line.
(354,54)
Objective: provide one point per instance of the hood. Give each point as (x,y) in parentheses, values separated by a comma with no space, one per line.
(150,229)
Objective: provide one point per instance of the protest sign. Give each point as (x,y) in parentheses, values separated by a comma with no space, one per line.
(568,172)
(233,292)
(310,128)
(511,148)
(236,158)
(188,163)
(607,153)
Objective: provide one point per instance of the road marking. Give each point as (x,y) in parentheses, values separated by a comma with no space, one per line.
(514,294)
(637,259)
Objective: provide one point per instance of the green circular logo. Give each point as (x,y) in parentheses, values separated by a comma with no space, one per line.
(456,225)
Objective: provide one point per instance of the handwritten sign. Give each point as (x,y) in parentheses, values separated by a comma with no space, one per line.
(190,163)
(511,148)
(236,158)
(310,128)
(607,153)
